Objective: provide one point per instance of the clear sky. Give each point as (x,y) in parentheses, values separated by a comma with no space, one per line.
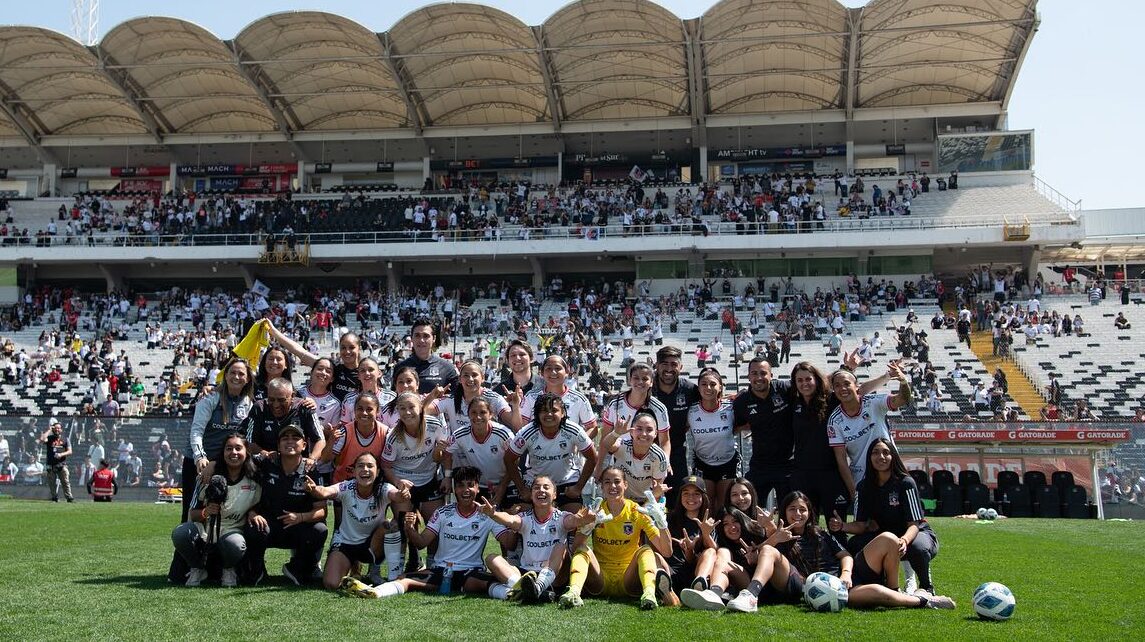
(1076,88)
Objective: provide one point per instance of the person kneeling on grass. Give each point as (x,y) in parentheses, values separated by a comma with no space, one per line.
(544,532)
(889,503)
(460,531)
(215,523)
(799,548)
(618,565)
(363,500)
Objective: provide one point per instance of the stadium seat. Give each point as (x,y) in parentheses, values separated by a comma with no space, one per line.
(919,477)
(1076,504)
(1063,479)
(925,490)
(1049,503)
(1008,478)
(1016,502)
(968,477)
(1034,478)
(949,500)
(975,496)
(940,477)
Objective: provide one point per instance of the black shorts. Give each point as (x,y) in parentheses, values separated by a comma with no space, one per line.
(563,499)
(436,575)
(356,552)
(719,472)
(862,573)
(792,594)
(430,492)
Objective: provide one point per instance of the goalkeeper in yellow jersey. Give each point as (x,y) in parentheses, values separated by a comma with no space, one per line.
(618,564)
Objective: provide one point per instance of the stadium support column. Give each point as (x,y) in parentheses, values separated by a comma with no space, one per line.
(301,178)
(393,277)
(248,275)
(173,177)
(560,168)
(703,165)
(49,183)
(113,277)
(425,171)
(850,152)
(538,274)
(1031,257)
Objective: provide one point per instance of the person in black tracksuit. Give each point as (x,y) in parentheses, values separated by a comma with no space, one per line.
(763,409)
(888,501)
(816,470)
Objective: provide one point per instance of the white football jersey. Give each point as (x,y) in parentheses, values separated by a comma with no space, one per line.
(577,407)
(619,410)
(456,420)
(488,456)
(414,461)
(639,472)
(461,538)
(360,516)
(539,539)
(558,458)
(713,437)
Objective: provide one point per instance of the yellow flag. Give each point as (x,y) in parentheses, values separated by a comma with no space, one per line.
(251,347)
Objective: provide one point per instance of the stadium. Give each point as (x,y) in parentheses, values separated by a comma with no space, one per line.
(784,180)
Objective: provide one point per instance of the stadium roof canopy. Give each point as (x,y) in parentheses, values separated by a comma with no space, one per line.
(470,66)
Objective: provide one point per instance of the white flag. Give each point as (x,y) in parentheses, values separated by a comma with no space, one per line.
(637,174)
(260,288)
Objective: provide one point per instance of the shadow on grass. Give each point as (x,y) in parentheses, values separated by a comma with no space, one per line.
(159,582)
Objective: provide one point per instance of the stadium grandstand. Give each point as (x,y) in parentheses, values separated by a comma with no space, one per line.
(792,168)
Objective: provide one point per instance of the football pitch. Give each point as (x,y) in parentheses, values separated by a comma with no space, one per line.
(84,571)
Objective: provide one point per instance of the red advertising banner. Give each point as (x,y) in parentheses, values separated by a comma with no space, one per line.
(1015,436)
(988,466)
(128,172)
(140,185)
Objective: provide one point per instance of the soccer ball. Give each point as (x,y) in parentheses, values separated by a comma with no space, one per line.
(993,601)
(825,593)
(991,514)
(982,513)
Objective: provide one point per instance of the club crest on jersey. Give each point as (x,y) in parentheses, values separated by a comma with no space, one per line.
(647,467)
(723,416)
(893,499)
(628,530)
(494,449)
(563,445)
(474,526)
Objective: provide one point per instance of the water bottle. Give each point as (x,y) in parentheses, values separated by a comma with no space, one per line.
(446,580)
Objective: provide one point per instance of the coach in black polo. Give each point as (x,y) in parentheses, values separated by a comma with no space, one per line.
(764,410)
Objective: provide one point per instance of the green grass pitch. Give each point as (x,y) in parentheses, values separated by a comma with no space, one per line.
(84,572)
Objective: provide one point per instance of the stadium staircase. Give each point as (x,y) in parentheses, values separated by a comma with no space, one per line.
(1022,390)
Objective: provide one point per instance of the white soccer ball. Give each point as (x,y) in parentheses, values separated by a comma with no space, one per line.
(825,593)
(981,513)
(991,514)
(993,601)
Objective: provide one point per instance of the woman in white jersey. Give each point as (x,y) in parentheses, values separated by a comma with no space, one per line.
(859,419)
(364,499)
(556,372)
(406,380)
(471,385)
(638,396)
(236,511)
(482,443)
(345,371)
(553,446)
(544,531)
(634,451)
(327,408)
(710,427)
(369,378)
(408,459)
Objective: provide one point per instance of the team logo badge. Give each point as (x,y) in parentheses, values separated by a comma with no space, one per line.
(475,526)
(893,499)
(628,530)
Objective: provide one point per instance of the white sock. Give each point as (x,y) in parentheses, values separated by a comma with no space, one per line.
(513,579)
(392,549)
(907,571)
(389,589)
(545,578)
(499,591)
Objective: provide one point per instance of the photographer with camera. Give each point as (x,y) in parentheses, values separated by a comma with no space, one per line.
(295,520)
(222,508)
(57,449)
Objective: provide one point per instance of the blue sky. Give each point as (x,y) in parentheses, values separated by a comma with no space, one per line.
(1076,88)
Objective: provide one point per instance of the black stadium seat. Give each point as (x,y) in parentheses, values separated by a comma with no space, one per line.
(919,477)
(975,496)
(949,500)
(940,477)
(1063,479)
(1049,502)
(1034,478)
(1008,478)
(1076,504)
(1016,501)
(968,477)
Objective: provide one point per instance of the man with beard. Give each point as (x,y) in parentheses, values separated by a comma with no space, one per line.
(677,395)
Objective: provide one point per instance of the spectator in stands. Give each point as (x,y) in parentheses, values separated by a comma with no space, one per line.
(1082,412)
(1079,326)
(1121,323)
(1050,412)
